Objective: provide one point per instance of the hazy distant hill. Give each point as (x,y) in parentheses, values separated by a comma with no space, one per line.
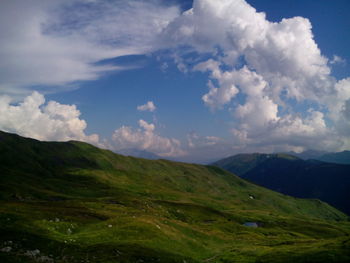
(72,202)
(336,157)
(139,153)
(339,157)
(294,176)
(308,154)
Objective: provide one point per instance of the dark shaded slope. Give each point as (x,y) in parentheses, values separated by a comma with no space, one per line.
(293,176)
(306,179)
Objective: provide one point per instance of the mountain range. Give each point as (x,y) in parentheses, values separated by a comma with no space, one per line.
(73,202)
(288,174)
(331,157)
(339,157)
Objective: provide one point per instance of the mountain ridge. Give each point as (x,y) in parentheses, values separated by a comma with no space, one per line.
(291,175)
(339,157)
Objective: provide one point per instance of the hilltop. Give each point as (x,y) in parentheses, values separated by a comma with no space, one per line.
(73,202)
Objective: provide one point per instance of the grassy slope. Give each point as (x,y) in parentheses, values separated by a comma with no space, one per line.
(77,203)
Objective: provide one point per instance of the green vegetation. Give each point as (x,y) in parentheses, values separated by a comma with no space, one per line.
(72,202)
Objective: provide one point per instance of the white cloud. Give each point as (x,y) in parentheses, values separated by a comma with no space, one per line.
(284,54)
(289,133)
(194,140)
(337,60)
(145,138)
(217,96)
(149,106)
(338,106)
(264,71)
(50,121)
(56,43)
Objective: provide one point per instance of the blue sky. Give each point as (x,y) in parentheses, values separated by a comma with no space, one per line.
(222,78)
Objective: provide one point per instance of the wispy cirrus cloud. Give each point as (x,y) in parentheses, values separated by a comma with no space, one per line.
(52,44)
(337,60)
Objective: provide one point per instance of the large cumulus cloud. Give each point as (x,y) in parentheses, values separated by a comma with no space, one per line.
(145,138)
(264,73)
(50,121)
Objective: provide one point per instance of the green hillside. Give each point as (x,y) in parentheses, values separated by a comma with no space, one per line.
(72,202)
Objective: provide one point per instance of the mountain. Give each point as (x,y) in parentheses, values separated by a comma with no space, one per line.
(339,157)
(139,154)
(242,163)
(290,175)
(308,154)
(73,202)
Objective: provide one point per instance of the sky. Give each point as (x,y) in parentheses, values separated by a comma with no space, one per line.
(187,80)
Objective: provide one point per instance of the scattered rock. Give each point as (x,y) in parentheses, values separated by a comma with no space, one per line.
(45,259)
(6,249)
(32,253)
